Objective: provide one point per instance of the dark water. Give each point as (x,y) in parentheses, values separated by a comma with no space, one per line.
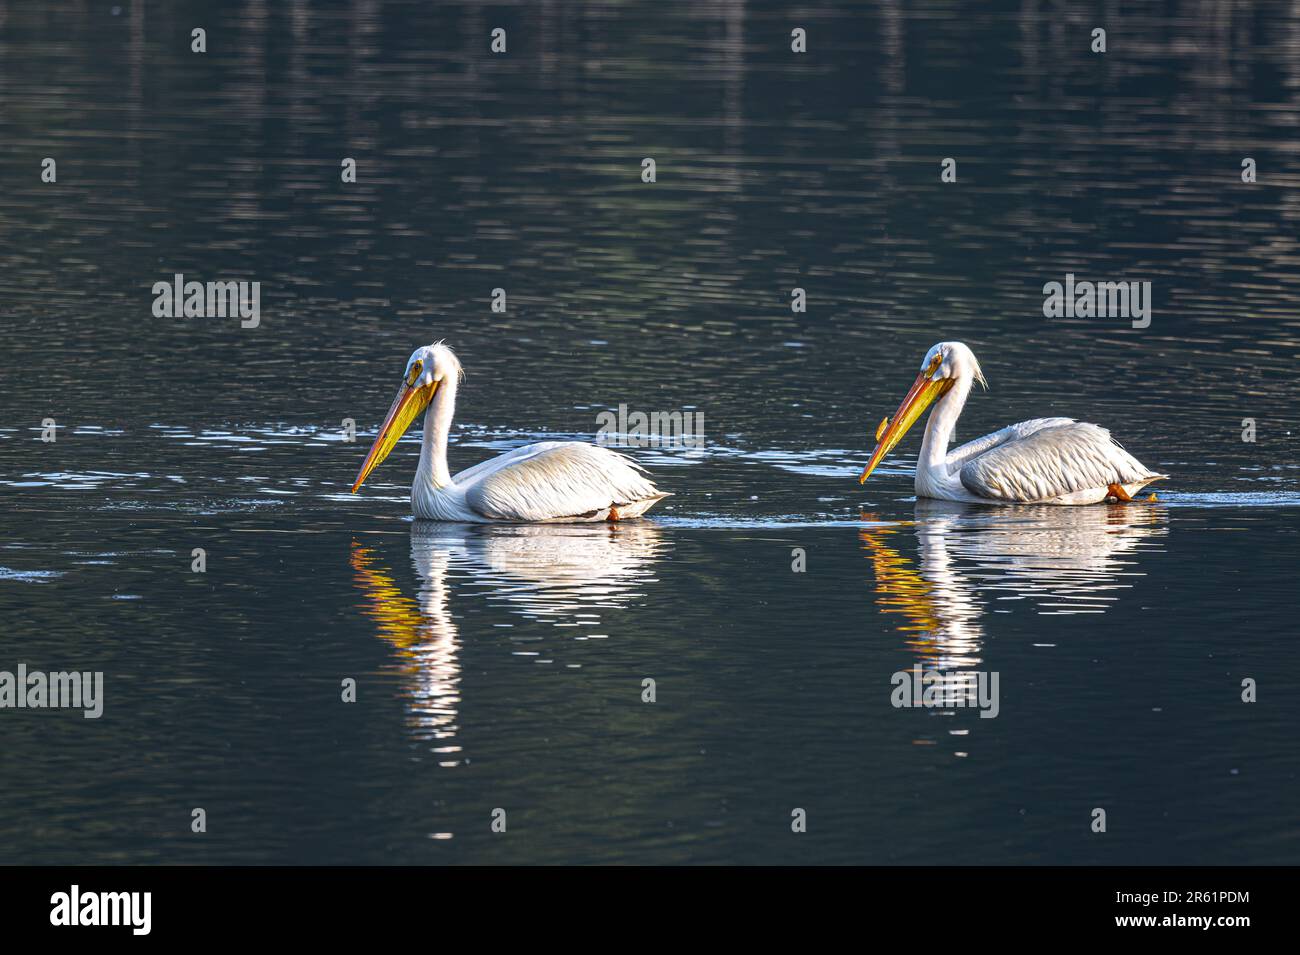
(502,667)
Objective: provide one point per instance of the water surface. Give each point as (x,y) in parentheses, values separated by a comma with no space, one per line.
(503,667)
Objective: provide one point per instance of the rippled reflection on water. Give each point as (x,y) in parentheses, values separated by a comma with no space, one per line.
(1064,560)
(561,575)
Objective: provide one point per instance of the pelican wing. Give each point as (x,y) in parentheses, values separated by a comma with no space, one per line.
(556,480)
(1012,432)
(1049,462)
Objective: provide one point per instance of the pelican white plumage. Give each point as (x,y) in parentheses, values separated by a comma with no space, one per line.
(1040,461)
(551,481)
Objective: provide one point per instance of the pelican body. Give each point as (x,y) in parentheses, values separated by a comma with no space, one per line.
(551,481)
(1040,461)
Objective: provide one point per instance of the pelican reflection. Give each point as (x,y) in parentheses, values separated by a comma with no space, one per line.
(973,560)
(555,575)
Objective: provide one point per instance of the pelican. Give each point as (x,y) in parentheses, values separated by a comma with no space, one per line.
(1040,461)
(549,481)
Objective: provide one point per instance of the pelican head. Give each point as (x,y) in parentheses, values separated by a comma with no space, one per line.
(944,365)
(426,370)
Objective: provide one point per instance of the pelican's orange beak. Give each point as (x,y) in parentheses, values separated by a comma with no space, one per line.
(923,393)
(408,404)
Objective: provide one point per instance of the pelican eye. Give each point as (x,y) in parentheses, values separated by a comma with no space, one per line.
(413,373)
(935,362)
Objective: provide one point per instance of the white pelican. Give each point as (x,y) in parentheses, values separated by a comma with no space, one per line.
(1040,461)
(548,481)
